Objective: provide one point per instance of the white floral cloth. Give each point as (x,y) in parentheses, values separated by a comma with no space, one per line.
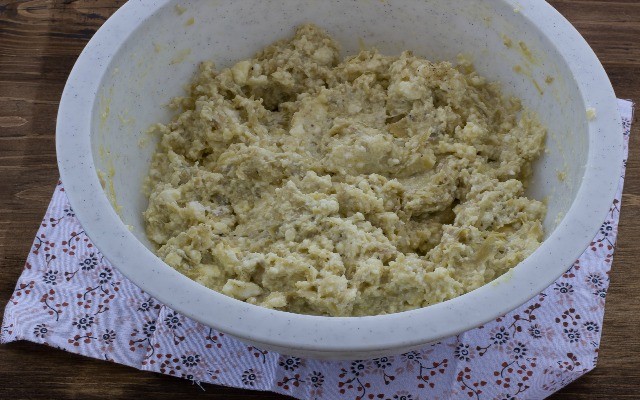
(71,298)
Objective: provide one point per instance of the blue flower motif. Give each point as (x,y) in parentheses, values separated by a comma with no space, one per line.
(89,262)
(382,362)
(501,336)
(572,335)
(149,328)
(601,293)
(108,336)
(591,326)
(463,352)
(50,277)
(606,229)
(105,276)
(41,330)
(535,332)
(563,288)
(595,280)
(316,378)
(289,363)
(191,360)
(83,322)
(172,321)
(147,305)
(249,377)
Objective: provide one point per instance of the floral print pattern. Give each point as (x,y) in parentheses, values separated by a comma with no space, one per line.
(70,297)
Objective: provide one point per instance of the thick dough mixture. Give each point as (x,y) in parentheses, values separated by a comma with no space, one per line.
(373,185)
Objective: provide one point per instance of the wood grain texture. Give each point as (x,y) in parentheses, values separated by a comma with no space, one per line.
(39,42)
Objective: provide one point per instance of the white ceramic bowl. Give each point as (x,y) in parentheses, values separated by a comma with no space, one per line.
(147,51)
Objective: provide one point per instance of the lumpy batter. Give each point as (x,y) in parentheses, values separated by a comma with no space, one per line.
(367,186)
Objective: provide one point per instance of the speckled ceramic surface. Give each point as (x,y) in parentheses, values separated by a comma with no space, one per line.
(145,53)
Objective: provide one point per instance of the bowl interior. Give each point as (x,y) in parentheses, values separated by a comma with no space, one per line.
(154,63)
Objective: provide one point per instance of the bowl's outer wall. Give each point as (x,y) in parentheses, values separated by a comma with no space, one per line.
(147,51)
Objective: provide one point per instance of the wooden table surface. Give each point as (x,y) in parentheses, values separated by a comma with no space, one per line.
(39,42)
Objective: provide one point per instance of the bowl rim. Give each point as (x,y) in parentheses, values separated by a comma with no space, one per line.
(337,335)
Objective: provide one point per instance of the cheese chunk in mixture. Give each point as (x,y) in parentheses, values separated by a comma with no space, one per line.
(376,184)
